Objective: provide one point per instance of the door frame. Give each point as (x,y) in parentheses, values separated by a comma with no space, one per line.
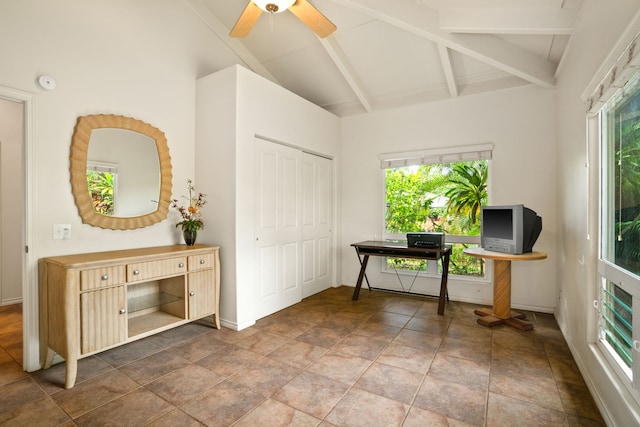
(30,322)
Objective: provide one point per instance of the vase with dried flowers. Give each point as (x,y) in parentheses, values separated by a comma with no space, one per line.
(191,220)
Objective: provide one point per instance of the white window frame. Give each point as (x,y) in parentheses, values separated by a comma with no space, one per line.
(607,271)
(598,105)
(622,62)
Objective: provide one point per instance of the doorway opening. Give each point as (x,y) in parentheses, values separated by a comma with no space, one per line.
(15,194)
(11,227)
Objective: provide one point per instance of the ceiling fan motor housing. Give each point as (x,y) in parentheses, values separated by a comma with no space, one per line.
(274,6)
(302,9)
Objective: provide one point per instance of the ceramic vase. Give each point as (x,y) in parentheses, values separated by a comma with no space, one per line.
(189,237)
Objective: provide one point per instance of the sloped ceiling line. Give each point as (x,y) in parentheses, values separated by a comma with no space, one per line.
(222,32)
(344,66)
(424,22)
(469,46)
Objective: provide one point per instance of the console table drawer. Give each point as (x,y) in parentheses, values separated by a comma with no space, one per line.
(102,277)
(200,262)
(152,269)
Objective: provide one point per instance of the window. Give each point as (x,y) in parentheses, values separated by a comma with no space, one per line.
(436,191)
(619,261)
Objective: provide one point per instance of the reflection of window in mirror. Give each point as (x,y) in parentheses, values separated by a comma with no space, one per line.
(138,168)
(102,180)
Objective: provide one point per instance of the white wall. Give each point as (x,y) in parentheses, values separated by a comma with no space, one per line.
(600,27)
(110,57)
(216,123)
(116,57)
(521,125)
(228,123)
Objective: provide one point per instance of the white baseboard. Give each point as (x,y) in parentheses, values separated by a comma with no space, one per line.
(11,301)
(235,326)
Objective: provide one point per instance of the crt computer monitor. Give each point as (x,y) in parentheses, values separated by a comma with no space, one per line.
(511,229)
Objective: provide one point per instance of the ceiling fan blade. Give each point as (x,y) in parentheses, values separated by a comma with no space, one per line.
(313,18)
(246,21)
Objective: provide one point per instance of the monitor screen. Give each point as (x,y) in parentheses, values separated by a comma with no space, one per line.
(498,223)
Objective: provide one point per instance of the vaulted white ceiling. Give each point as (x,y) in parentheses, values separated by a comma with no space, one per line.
(389,53)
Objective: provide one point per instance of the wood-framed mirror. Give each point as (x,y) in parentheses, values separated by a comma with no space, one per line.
(141,186)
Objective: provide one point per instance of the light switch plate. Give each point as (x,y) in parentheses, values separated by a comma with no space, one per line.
(61,231)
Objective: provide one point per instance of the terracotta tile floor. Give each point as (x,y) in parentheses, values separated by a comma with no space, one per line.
(385,360)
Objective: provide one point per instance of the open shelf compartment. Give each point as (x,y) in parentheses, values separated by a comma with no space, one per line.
(148,301)
(155,304)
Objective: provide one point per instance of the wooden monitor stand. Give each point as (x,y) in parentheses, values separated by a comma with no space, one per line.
(501,312)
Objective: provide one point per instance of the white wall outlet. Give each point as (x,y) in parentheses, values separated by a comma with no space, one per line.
(61,231)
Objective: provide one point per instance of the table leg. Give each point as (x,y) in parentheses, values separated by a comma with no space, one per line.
(443,283)
(502,289)
(363,267)
(501,312)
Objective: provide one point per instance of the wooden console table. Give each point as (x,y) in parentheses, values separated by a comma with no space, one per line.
(401,250)
(501,312)
(96,301)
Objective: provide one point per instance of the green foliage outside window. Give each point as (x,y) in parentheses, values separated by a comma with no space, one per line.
(437,198)
(101,190)
(626,174)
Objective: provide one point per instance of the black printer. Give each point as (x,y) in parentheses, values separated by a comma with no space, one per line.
(425,240)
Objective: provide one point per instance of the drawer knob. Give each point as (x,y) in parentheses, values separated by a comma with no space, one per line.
(136,272)
(105,277)
(202,261)
(181,265)
(123,311)
(191,293)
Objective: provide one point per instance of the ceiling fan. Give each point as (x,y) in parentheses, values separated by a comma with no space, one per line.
(308,14)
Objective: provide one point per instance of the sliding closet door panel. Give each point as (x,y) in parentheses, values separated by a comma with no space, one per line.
(278,226)
(317,173)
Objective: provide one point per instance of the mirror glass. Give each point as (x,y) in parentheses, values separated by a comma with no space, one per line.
(120,172)
(123,172)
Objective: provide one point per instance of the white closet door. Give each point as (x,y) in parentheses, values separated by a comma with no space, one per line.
(317,190)
(278,226)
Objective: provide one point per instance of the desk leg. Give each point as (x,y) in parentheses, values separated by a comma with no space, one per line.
(363,267)
(443,283)
(501,312)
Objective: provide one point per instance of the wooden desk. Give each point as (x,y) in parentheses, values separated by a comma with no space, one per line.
(401,250)
(501,312)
